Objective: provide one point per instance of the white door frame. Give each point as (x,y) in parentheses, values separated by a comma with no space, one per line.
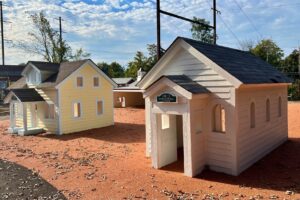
(186,129)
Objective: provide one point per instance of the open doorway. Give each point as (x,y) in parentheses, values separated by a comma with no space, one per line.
(171,137)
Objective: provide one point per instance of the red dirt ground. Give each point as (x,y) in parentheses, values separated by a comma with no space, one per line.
(110,163)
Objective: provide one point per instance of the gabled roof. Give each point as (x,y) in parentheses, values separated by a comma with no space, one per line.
(13,72)
(244,66)
(45,66)
(187,84)
(236,66)
(27,95)
(64,70)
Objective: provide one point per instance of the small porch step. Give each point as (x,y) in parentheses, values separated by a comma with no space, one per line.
(22,132)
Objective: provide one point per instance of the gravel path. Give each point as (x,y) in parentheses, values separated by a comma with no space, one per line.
(18,182)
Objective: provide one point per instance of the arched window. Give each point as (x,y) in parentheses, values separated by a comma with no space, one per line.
(252,115)
(268,110)
(219,119)
(279,107)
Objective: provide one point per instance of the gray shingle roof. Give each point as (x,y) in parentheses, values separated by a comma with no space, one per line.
(64,70)
(27,95)
(187,83)
(244,66)
(13,72)
(45,66)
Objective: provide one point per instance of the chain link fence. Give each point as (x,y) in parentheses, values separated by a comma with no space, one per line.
(294,89)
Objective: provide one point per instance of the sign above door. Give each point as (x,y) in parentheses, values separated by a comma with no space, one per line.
(166,98)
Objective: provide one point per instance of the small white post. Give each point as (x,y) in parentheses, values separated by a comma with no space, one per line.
(12,115)
(24,117)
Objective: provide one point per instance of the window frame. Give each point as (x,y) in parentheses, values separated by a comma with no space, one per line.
(165,118)
(94,81)
(76,82)
(73,111)
(97,101)
(218,126)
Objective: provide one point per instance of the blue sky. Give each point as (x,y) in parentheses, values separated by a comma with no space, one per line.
(113,30)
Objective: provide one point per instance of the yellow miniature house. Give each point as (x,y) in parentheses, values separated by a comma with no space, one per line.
(61,98)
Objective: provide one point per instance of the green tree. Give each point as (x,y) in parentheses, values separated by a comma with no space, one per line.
(113,70)
(46,42)
(202,32)
(291,62)
(79,55)
(139,61)
(269,51)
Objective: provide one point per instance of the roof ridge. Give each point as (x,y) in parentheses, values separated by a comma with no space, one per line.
(214,45)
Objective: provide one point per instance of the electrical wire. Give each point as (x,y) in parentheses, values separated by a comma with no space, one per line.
(248,18)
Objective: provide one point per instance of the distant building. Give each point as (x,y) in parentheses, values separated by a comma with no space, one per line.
(127,94)
(8,75)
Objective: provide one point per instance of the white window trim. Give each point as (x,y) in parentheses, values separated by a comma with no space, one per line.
(165,121)
(97,100)
(81,109)
(98,82)
(76,82)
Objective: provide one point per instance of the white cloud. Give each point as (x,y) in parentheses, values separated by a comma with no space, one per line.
(123,25)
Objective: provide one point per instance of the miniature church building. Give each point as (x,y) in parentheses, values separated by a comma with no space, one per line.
(223,107)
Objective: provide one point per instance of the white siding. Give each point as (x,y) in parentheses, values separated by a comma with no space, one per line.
(254,143)
(187,64)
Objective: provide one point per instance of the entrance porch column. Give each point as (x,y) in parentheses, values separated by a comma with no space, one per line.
(148,126)
(187,149)
(24,116)
(154,140)
(12,123)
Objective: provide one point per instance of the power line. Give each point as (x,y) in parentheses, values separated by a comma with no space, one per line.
(251,22)
(227,26)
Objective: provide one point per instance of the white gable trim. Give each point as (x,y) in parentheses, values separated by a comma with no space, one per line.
(91,63)
(180,44)
(210,63)
(9,96)
(151,76)
(28,66)
(156,87)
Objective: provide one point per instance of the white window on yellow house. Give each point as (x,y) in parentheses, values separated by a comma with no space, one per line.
(77,110)
(96,81)
(219,119)
(165,121)
(49,111)
(79,81)
(99,107)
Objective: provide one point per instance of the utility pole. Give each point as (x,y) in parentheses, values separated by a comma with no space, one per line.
(60,38)
(215,20)
(2,34)
(158,33)
(158,45)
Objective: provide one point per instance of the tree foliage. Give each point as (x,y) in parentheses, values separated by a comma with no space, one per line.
(113,70)
(269,51)
(202,32)
(46,42)
(291,62)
